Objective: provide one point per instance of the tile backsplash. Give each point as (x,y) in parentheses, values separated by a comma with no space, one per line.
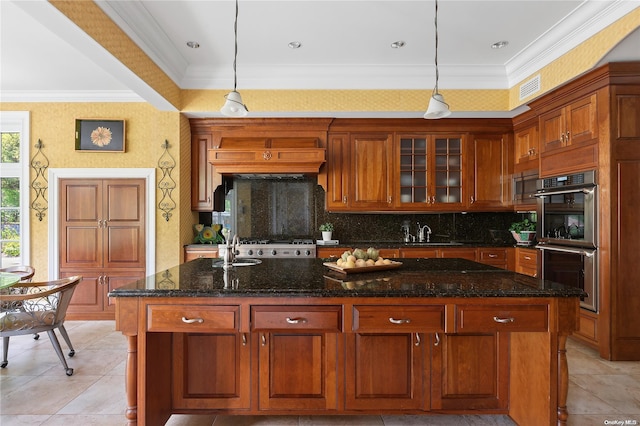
(262,210)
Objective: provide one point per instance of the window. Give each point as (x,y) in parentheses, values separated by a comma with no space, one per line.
(14,188)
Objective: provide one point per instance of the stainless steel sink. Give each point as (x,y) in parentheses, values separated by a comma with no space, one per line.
(219,263)
(450,243)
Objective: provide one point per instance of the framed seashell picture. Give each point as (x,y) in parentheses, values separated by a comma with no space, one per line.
(99,135)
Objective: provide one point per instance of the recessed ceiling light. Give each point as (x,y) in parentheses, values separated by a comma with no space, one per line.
(397,44)
(499,44)
(193,44)
(295,45)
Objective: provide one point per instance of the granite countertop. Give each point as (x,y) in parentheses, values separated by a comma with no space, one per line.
(310,278)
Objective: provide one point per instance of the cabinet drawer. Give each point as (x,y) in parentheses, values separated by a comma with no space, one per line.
(323,318)
(527,258)
(471,318)
(498,255)
(398,318)
(192,318)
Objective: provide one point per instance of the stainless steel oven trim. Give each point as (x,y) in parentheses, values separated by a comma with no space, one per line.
(586,190)
(590,274)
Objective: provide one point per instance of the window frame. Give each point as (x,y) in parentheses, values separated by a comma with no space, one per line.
(19,122)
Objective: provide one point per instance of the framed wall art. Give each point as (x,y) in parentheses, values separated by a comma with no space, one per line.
(98,135)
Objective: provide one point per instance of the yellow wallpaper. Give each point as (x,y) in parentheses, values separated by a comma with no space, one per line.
(580,59)
(347,100)
(145,131)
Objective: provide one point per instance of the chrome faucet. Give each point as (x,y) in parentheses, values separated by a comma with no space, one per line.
(421,233)
(231,251)
(408,238)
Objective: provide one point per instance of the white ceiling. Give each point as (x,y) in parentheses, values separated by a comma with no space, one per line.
(345,45)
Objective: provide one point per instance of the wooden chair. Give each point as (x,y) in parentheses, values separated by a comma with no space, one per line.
(36,308)
(25,272)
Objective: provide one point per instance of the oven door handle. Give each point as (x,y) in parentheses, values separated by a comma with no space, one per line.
(585,190)
(582,251)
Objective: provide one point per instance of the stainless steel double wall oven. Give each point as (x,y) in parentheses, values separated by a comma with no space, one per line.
(567,232)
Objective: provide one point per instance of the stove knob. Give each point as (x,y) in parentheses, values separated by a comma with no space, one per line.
(307,252)
(273,252)
(250,252)
(260,253)
(297,252)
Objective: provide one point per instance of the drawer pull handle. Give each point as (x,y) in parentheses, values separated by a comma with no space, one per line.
(399,321)
(527,258)
(493,255)
(296,320)
(192,320)
(437,342)
(504,320)
(417,340)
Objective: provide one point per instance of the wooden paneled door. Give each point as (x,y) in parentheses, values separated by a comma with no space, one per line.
(102,238)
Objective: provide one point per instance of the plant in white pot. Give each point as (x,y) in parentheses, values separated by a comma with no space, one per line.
(524,232)
(327,230)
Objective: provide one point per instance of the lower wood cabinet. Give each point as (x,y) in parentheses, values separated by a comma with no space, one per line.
(470,372)
(368,358)
(297,356)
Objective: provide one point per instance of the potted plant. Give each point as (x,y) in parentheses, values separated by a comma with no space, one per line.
(327,230)
(524,232)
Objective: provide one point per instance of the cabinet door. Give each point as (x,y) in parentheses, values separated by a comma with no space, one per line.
(89,296)
(582,121)
(487,177)
(552,130)
(384,371)
(527,261)
(81,223)
(114,279)
(470,372)
(297,370)
(124,223)
(412,188)
(338,173)
(526,149)
(447,182)
(371,174)
(211,371)
(418,253)
(201,173)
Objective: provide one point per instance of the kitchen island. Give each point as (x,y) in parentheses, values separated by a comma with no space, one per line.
(291,336)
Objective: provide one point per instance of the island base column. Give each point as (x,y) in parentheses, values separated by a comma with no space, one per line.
(131,381)
(563,380)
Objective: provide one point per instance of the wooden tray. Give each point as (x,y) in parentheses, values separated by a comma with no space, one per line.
(334,266)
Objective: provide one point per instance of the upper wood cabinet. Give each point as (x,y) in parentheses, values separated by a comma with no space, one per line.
(430,170)
(572,125)
(526,147)
(201,173)
(487,183)
(360,171)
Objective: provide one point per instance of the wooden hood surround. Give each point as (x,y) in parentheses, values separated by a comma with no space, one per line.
(265,146)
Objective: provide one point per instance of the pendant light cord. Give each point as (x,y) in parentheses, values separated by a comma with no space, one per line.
(235,54)
(435,20)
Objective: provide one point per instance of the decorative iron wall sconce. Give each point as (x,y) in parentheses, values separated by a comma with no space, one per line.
(39,164)
(166,185)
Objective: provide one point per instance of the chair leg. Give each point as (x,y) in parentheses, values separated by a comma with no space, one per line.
(5,352)
(65,336)
(58,349)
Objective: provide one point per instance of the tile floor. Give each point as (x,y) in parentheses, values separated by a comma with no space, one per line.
(35,391)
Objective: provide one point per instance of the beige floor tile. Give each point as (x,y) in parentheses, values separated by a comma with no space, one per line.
(45,395)
(23,420)
(341,420)
(190,420)
(92,362)
(619,391)
(85,420)
(256,421)
(582,401)
(99,398)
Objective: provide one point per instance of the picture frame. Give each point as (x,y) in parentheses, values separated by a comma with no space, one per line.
(100,135)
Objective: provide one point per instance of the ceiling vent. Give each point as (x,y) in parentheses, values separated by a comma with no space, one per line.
(530,87)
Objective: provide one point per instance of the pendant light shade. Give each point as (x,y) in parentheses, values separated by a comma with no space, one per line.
(438,108)
(234,107)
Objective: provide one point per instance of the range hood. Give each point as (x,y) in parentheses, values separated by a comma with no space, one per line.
(266,160)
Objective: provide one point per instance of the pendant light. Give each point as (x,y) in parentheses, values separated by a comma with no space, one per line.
(234,107)
(438,108)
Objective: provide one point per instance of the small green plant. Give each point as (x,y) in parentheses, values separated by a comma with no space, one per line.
(524,225)
(326,227)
